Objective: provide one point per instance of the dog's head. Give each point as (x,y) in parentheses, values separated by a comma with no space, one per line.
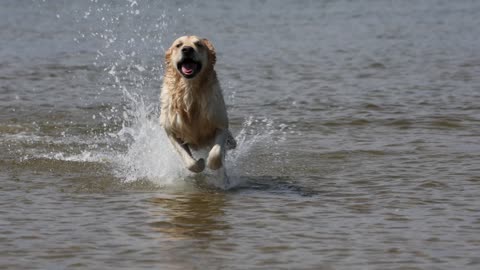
(190,56)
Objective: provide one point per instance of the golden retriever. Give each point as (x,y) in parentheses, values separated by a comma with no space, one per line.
(193,111)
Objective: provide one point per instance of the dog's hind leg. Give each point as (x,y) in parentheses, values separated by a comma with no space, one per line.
(215,156)
(193,165)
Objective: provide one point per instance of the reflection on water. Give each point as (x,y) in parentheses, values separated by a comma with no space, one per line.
(191,215)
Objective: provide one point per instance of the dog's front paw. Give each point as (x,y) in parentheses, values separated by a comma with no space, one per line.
(214,160)
(197,166)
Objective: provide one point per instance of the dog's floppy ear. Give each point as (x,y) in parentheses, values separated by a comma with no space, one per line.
(212,57)
(168,56)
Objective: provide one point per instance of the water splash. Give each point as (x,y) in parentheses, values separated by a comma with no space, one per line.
(255,132)
(150,155)
(132,36)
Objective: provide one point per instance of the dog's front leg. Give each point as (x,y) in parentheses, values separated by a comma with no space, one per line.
(215,156)
(193,165)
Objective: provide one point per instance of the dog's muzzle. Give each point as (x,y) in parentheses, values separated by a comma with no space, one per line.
(188,66)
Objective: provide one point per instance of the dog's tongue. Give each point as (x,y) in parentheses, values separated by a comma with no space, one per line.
(188,68)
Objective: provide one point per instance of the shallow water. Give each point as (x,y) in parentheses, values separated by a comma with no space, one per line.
(358,125)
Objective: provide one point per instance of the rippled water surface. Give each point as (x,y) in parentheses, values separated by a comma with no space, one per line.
(358,125)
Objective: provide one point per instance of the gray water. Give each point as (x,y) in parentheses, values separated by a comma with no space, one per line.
(358,125)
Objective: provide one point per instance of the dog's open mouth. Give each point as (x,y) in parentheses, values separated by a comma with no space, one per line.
(189,68)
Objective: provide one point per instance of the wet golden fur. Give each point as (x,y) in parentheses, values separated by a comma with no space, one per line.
(192,110)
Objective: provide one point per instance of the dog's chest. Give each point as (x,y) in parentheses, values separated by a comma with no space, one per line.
(193,126)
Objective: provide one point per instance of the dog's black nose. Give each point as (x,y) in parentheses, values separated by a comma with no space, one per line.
(187,50)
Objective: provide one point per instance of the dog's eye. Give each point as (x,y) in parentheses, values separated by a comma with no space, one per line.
(198,44)
(179,45)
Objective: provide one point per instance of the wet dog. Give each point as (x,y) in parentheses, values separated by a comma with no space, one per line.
(193,111)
